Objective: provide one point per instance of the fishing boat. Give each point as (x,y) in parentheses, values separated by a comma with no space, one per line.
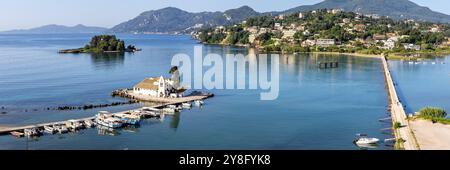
(17,134)
(89,123)
(362,139)
(49,129)
(31,132)
(106,119)
(128,118)
(61,128)
(74,125)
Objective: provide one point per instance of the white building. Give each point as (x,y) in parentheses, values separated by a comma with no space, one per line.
(335,11)
(389,44)
(278,26)
(325,42)
(308,43)
(159,87)
(301,15)
(411,46)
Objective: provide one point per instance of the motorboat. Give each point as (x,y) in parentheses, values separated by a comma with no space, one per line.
(17,134)
(198,102)
(363,139)
(169,110)
(74,125)
(187,105)
(128,118)
(106,119)
(63,129)
(49,129)
(151,109)
(31,132)
(89,123)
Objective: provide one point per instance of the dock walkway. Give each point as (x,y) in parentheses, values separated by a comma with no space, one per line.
(398,113)
(171,101)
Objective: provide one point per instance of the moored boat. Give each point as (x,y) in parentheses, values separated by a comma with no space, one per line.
(17,134)
(187,105)
(169,110)
(106,119)
(128,118)
(198,102)
(63,129)
(31,132)
(89,123)
(74,125)
(362,139)
(49,129)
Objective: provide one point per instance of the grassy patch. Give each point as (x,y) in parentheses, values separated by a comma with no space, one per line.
(434,114)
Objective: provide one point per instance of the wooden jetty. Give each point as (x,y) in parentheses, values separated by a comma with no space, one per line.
(168,101)
(325,65)
(398,113)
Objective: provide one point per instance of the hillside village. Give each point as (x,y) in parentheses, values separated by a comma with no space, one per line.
(332,30)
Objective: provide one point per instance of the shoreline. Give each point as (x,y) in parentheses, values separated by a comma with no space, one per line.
(349,54)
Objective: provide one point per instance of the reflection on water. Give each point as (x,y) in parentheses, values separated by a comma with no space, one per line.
(107,60)
(422,83)
(107,131)
(175,121)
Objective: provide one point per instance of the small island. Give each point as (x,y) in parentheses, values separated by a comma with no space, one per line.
(103,44)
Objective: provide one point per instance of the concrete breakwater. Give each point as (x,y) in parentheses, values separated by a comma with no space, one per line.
(171,101)
(404,133)
(4,110)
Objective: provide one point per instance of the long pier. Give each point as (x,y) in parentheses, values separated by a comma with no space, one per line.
(169,101)
(398,114)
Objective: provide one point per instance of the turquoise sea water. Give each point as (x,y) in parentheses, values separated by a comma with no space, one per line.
(316,108)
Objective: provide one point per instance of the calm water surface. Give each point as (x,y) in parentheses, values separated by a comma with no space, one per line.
(423,83)
(316,108)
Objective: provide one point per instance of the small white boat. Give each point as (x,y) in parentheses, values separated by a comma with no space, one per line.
(89,123)
(106,119)
(362,139)
(74,125)
(411,62)
(128,118)
(198,102)
(17,134)
(187,105)
(151,109)
(433,63)
(49,129)
(169,110)
(172,106)
(31,132)
(61,129)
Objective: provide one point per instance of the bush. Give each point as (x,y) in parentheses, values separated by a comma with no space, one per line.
(397,125)
(432,113)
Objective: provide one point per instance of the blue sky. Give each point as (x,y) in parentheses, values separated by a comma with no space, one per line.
(20,14)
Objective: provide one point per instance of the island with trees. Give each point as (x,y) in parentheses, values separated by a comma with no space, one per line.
(333,30)
(103,44)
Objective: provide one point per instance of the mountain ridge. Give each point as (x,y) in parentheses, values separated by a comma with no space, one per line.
(175,20)
(57,29)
